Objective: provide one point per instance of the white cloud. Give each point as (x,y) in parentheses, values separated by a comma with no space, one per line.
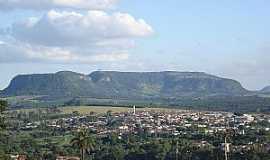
(22,52)
(72,37)
(50,4)
(2,42)
(72,29)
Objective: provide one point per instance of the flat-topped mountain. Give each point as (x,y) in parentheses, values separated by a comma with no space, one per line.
(132,85)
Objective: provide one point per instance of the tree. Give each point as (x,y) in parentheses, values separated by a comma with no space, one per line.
(156,149)
(109,117)
(4,156)
(84,141)
(3,106)
(117,152)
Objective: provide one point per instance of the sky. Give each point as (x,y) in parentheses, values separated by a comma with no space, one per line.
(227,38)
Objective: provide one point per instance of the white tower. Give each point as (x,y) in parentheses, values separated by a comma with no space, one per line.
(134,110)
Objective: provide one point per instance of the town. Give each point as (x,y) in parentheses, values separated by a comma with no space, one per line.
(230,133)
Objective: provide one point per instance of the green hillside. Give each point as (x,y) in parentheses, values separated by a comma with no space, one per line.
(134,85)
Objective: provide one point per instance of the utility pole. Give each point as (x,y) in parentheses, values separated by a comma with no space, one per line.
(226,145)
(226,148)
(177,150)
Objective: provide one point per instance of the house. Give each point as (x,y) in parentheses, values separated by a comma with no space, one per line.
(18,157)
(67,158)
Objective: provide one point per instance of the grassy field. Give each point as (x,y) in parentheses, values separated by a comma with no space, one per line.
(84,110)
(100,109)
(97,109)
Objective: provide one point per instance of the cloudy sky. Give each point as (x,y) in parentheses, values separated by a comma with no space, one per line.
(226,38)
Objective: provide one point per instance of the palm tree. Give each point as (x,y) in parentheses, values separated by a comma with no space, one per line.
(84,141)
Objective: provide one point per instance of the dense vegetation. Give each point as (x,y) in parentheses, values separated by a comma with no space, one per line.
(215,103)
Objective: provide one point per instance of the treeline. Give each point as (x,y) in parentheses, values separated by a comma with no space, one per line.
(219,103)
(213,103)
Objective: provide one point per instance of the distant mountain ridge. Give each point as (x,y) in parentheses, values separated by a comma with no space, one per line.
(131,85)
(265,90)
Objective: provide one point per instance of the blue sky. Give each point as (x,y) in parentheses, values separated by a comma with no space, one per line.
(226,38)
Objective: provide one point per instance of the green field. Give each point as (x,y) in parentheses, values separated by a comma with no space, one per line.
(101,109)
(84,110)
